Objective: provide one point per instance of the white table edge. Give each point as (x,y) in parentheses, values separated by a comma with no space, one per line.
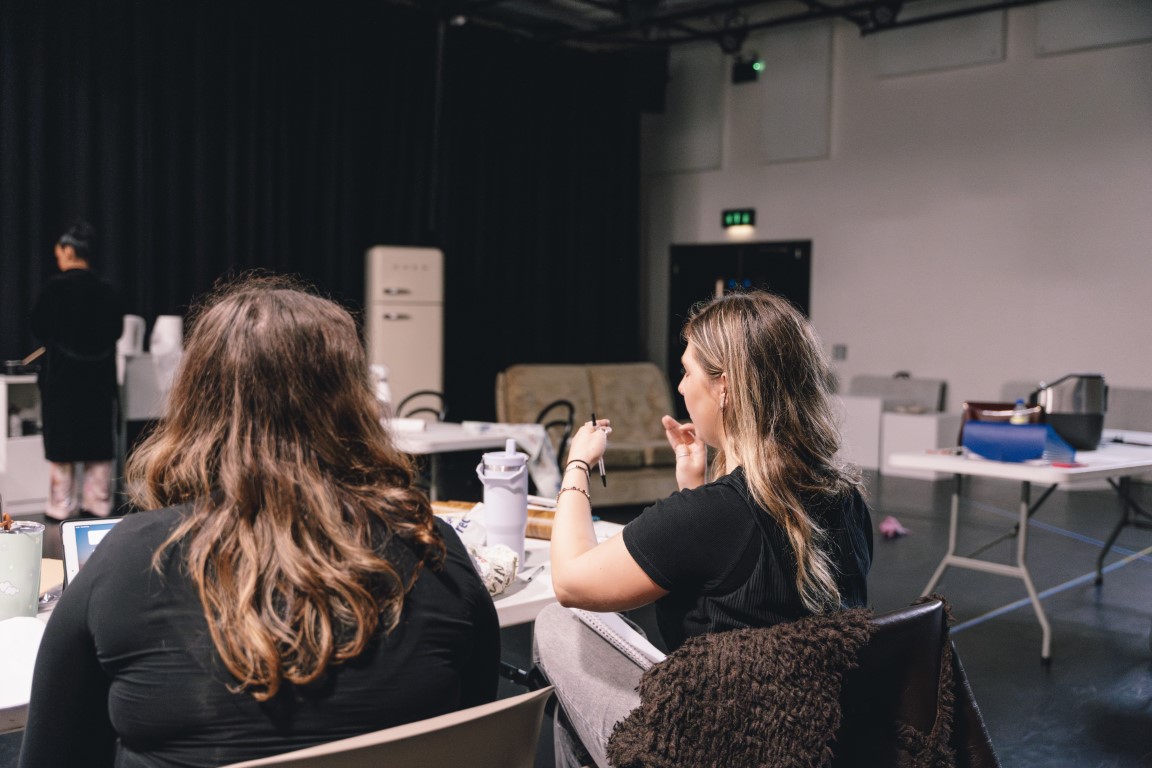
(1094,467)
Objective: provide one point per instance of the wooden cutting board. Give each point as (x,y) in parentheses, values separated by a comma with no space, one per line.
(539,518)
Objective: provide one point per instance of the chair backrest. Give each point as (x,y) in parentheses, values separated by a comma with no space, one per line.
(902,393)
(427,402)
(558,419)
(523,390)
(502,734)
(1129,408)
(898,682)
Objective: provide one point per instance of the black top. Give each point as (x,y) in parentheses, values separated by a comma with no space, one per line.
(127,674)
(79,318)
(727,564)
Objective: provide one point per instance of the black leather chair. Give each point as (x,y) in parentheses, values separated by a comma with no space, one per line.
(847,691)
(898,683)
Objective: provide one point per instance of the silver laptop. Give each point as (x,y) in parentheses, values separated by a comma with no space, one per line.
(80,540)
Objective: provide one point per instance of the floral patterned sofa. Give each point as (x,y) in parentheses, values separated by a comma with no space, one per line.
(639,462)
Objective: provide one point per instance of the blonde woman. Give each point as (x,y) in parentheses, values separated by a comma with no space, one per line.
(292,585)
(779,532)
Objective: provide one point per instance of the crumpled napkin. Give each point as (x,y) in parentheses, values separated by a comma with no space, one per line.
(497,564)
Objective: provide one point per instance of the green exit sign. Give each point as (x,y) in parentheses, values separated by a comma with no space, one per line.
(739,217)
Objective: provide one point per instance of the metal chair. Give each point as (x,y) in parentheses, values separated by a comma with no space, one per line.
(561,425)
(425,403)
(502,734)
(439,411)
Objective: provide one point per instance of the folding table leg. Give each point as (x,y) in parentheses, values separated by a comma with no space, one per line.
(1130,512)
(1021,553)
(952,525)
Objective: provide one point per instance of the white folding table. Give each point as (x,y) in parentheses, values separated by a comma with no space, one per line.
(443,437)
(1116,463)
(522,601)
(518,604)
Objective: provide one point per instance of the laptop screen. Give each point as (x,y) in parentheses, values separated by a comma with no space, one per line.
(80,540)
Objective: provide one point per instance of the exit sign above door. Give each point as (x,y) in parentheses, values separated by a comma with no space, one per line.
(739,217)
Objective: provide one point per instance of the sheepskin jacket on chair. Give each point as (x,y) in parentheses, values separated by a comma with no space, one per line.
(758,697)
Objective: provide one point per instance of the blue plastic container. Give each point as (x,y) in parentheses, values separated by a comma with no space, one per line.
(999,441)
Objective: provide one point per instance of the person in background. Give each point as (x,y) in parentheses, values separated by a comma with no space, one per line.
(780,532)
(290,586)
(78,316)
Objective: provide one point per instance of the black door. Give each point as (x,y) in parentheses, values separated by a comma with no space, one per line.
(701,272)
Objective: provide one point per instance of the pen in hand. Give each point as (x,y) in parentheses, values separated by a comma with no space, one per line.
(600,464)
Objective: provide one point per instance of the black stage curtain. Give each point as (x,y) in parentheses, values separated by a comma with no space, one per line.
(206,138)
(539,210)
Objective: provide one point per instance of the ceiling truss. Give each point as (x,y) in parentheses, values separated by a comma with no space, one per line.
(635,23)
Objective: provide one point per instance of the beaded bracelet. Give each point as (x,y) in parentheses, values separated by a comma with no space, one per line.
(574,488)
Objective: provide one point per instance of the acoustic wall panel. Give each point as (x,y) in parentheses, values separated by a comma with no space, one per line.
(959,42)
(689,135)
(796,93)
(1074,25)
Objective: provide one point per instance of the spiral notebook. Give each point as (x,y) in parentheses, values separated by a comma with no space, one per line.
(627,640)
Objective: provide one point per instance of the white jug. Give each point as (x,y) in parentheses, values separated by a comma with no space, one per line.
(131,340)
(167,349)
(130,343)
(167,335)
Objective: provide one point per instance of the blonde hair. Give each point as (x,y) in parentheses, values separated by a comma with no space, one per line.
(778,419)
(272,435)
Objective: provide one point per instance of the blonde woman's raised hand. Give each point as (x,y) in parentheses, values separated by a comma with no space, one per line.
(691,452)
(588,442)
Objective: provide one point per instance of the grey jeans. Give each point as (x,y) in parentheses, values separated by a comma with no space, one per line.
(595,683)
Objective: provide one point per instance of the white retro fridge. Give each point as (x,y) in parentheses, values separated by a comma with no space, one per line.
(404,316)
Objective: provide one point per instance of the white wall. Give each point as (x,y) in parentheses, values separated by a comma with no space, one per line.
(978,224)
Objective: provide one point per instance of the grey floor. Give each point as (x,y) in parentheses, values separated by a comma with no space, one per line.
(1092,706)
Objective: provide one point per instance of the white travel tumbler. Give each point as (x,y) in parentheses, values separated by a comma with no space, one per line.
(505,478)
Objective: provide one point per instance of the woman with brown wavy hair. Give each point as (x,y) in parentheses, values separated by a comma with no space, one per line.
(779,532)
(292,586)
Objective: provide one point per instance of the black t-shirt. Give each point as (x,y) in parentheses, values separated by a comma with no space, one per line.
(79,317)
(127,674)
(727,564)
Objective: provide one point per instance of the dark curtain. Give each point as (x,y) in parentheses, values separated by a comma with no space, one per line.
(205,138)
(540,210)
